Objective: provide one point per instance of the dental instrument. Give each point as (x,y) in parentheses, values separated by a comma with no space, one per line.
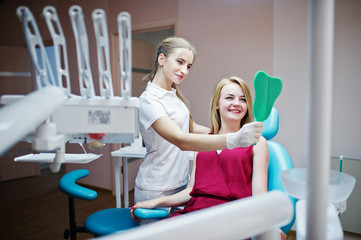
(125,46)
(60,49)
(82,50)
(341,160)
(101,35)
(44,76)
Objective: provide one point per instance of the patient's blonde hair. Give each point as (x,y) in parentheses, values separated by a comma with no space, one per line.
(215,117)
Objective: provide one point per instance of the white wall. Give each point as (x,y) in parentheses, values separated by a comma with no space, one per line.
(290,64)
(346,139)
(243,37)
(231,37)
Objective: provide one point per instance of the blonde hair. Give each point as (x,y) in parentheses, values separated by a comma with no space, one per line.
(168,46)
(215,117)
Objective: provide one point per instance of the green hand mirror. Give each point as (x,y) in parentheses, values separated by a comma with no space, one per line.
(266,89)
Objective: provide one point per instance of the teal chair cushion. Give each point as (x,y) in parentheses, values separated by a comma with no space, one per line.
(109,221)
(144,213)
(68,185)
(271,125)
(279,161)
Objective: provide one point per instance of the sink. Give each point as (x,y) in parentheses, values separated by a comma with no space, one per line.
(340,185)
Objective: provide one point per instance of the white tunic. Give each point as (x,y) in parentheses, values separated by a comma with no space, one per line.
(165,166)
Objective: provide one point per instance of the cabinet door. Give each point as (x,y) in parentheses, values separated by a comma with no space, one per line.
(16,77)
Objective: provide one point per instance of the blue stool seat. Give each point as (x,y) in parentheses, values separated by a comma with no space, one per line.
(108,221)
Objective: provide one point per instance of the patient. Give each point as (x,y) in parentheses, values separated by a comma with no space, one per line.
(224,175)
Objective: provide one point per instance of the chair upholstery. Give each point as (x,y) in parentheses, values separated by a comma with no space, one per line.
(279,160)
(68,185)
(108,221)
(100,223)
(144,213)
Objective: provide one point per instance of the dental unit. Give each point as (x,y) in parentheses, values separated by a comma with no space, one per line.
(91,119)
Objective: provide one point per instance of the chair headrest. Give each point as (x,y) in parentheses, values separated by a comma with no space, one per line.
(271,125)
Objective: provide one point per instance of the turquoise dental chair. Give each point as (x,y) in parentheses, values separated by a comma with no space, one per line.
(279,161)
(100,223)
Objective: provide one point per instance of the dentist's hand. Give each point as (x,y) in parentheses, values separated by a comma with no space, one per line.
(246,136)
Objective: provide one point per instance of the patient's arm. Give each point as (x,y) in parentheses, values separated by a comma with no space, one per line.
(260,167)
(174,200)
(178,199)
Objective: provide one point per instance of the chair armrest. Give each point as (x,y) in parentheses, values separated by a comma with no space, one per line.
(144,213)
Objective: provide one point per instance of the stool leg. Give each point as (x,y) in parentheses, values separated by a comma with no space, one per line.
(72,219)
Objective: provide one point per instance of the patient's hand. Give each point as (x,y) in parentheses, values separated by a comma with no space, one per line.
(150,204)
(132,215)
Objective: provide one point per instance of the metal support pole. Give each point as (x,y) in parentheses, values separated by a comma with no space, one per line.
(125,182)
(72,226)
(117,183)
(321,24)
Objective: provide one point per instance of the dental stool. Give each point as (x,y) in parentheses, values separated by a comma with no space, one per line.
(100,223)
